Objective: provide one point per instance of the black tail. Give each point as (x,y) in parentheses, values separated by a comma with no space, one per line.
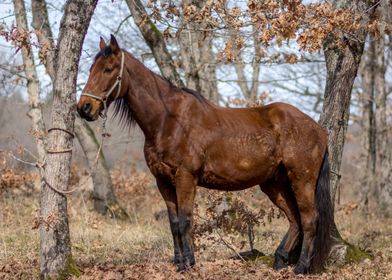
(323,241)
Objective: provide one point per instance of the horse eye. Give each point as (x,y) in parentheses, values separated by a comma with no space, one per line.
(107,70)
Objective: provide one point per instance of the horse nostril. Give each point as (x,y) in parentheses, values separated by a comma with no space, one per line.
(86,108)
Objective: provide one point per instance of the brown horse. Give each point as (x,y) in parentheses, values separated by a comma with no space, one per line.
(191,142)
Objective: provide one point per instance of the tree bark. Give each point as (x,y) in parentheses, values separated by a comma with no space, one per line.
(368,124)
(382,192)
(197,57)
(103,193)
(33,86)
(55,250)
(104,198)
(342,64)
(155,41)
(249,91)
(342,67)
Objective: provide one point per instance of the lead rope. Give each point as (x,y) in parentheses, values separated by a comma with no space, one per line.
(41,165)
(103,114)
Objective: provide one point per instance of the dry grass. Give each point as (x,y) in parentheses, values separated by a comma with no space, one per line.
(142,248)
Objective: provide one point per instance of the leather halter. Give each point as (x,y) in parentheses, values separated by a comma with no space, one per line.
(105,97)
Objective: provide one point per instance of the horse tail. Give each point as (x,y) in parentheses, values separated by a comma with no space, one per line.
(322,242)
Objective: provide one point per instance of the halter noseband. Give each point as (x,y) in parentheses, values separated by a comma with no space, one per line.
(105,97)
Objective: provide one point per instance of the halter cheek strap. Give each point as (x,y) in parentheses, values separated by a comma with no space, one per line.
(107,94)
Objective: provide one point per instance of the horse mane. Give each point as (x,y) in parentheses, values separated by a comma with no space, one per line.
(122,111)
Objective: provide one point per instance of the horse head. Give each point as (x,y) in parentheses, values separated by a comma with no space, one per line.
(105,82)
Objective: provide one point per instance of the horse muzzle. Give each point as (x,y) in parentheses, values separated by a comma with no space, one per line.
(86,111)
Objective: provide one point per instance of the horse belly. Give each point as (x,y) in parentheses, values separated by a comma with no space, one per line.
(235,167)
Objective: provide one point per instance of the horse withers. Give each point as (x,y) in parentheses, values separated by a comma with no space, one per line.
(191,142)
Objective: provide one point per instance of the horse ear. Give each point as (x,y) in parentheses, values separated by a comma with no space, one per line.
(102,43)
(113,44)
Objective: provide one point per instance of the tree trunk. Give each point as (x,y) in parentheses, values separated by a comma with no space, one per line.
(197,57)
(368,141)
(382,192)
(249,90)
(376,193)
(103,193)
(155,41)
(342,64)
(55,250)
(33,87)
(342,67)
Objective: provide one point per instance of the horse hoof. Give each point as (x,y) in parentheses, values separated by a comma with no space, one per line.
(279,264)
(176,260)
(301,269)
(181,267)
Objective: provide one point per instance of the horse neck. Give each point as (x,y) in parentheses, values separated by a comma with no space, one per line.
(148,96)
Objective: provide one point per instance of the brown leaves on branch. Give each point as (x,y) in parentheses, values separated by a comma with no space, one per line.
(274,22)
(21,38)
(231,214)
(12,179)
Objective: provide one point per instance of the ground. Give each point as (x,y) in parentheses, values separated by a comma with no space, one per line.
(141,248)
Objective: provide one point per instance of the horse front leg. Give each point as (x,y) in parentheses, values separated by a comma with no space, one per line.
(168,193)
(185,184)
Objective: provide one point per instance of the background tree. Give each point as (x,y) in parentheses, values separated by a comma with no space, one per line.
(55,249)
(376,181)
(103,193)
(33,87)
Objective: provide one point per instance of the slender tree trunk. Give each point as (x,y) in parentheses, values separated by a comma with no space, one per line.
(197,57)
(382,192)
(103,193)
(368,141)
(55,250)
(155,41)
(33,87)
(249,90)
(105,200)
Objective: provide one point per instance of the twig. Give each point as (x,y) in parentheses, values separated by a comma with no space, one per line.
(230,246)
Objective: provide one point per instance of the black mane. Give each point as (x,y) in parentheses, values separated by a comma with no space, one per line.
(122,111)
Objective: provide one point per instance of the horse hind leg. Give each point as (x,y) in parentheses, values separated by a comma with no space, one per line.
(308,215)
(288,251)
(314,203)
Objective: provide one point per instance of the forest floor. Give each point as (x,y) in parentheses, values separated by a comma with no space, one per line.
(141,248)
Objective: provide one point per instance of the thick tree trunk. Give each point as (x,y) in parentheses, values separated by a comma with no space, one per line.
(55,250)
(103,193)
(342,66)
(33,87)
